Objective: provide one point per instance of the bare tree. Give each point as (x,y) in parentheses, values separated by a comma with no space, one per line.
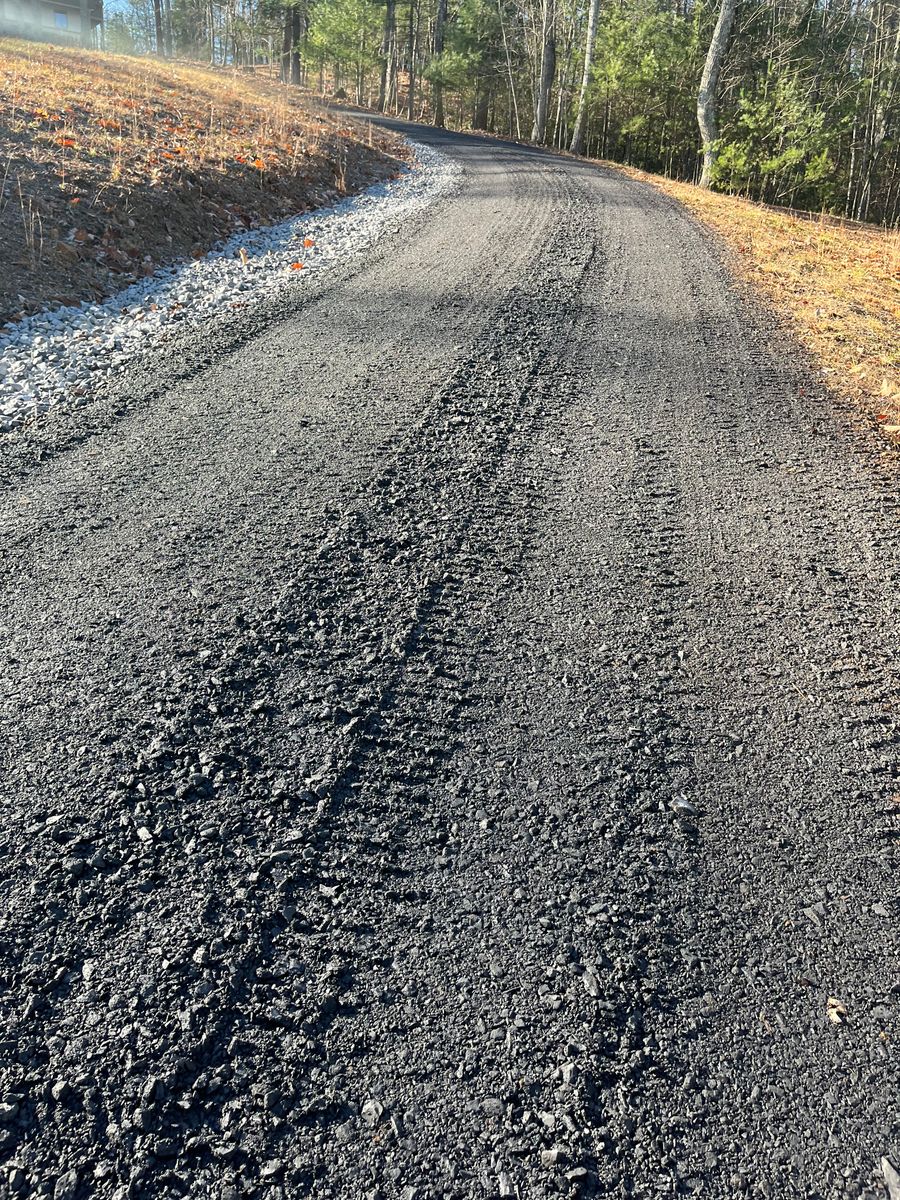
(882,93)
(509,71)
(296,38)
(158,23)
(437,88)
(548,70)
(387,83)
(413,48)
(577,144)
(709,85)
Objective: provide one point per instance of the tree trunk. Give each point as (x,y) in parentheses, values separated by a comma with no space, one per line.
(482,105)
(577,144)
(296,35)
(880,127)
(709,85)
(158,22)
(388,42)
(438,90)
(413,39)
(548,68)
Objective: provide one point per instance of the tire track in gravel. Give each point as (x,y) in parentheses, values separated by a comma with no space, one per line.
(194,532)
(187,744)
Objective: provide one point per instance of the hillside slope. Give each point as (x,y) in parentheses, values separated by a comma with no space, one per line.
(112,166)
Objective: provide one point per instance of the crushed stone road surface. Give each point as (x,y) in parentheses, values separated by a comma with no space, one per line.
(448,738)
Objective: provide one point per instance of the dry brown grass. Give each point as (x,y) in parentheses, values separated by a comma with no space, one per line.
(838,284)
(110,165)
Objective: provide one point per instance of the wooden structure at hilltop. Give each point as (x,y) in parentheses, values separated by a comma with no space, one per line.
(68,22)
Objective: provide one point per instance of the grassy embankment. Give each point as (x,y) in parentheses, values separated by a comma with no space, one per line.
(112,166)
(836,283)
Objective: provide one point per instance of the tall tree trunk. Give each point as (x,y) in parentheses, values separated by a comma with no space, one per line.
(709,85)
(440,22)
(482,105)
(880,126)
(413,38)
(388,42)
(548,69)
(296,34)
(158,23)
(577,144)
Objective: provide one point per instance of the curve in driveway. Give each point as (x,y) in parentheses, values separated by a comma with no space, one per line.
(447,739)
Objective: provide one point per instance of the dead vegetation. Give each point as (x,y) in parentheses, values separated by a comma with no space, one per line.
(112,166)
(836,282)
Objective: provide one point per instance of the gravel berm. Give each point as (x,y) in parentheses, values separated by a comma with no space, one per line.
(448,733)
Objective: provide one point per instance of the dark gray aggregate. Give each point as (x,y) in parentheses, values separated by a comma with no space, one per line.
(447,733)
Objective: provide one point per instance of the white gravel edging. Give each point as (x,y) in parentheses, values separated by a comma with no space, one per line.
(63,353)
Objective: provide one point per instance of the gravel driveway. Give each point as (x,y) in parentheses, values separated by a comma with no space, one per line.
(446,729)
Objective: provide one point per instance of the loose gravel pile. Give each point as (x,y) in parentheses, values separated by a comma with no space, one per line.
(450,742)
(64,354)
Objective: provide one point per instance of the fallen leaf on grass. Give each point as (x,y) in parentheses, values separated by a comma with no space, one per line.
(836,1011)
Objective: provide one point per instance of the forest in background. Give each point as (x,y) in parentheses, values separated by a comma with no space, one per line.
(801,97)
